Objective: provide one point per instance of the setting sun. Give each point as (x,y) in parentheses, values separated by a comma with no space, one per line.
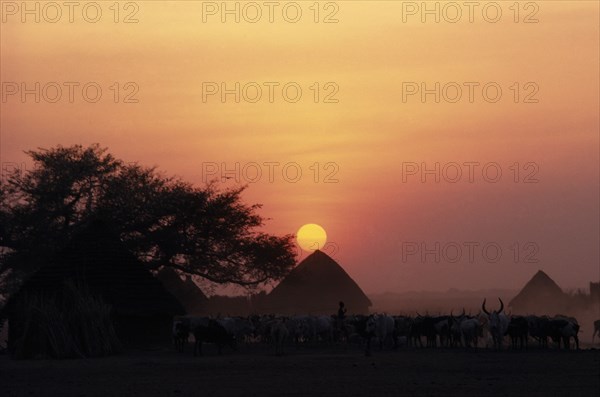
(311,237)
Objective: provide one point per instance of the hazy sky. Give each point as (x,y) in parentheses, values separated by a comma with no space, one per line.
(361,133)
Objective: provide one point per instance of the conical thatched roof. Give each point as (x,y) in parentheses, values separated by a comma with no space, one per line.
(540,295)
(316,286)
(97,257)
(186,291)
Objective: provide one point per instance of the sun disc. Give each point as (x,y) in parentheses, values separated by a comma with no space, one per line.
(311,237)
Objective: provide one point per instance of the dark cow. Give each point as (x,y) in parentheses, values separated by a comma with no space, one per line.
(539,328)
(181,333)
(518,330)
(596,329)
(210,331)
(455,332)
(563,329)
(432,327)
(360,324)
(417,330)
(402,329)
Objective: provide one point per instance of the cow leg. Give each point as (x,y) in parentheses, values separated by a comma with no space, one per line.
(198,348)
(368,347)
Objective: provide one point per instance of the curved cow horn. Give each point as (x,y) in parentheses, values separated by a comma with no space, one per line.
(501,305)
(483,308)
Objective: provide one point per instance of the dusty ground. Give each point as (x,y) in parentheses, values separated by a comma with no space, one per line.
(310,372)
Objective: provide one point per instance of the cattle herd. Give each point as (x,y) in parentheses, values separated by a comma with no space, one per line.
(485,329)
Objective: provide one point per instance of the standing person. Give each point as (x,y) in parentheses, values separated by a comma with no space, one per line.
(341,316)
(341,311)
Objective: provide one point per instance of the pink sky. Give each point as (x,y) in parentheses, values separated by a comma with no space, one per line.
(362,143)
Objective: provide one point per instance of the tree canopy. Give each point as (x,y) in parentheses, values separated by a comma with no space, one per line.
(201,231)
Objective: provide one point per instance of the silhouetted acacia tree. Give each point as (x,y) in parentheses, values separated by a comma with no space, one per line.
(165,221)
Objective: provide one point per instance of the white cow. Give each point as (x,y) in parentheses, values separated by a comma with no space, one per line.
(469,331)
(497,324)
(279,335)
(240,328)
(324,326)
(302,328)
(382,326)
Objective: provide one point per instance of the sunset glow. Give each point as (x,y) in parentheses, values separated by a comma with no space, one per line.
(393,145)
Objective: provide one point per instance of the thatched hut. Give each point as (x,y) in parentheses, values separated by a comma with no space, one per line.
(184,289)
(316,286)
(93,278)
(541,295)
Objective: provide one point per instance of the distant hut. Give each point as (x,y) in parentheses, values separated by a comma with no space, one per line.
(595,292)
(541,295)
(185,290)
(94,275)
(316,286)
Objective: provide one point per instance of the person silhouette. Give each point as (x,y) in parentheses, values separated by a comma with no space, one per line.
(341,311)
(340,320)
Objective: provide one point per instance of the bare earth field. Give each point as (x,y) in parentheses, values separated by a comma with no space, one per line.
(317,371)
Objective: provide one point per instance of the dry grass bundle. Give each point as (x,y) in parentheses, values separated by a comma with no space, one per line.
(71,323)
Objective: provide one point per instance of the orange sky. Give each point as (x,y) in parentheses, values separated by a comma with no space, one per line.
(370,213)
